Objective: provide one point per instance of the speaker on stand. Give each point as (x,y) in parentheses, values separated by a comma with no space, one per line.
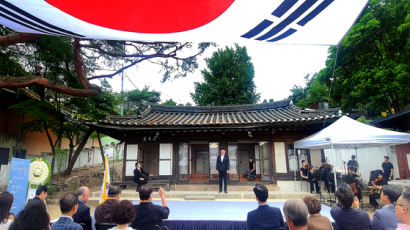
(21,153)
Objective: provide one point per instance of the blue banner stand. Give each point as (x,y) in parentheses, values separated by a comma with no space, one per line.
(18,183)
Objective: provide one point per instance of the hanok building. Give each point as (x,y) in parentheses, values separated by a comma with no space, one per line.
(181,143)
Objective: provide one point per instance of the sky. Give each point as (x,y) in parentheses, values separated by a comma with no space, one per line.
(277,69)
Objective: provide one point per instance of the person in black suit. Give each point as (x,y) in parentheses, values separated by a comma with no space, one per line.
(222,167)
(347,217)
(265,216)
(83,212)
(140,176)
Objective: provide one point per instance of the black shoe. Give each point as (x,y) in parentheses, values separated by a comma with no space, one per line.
(226,191)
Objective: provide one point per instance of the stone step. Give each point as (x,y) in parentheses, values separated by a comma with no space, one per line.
(214,187)
(181,195)
(198,197)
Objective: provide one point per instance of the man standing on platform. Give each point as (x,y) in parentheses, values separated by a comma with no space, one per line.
(387,169)
(222,167)
(265,216)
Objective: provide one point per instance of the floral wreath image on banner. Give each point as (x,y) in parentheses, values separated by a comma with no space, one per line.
(40,172)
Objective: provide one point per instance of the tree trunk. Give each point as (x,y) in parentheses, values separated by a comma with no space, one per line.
(77,152)
(53,150)
(101,149)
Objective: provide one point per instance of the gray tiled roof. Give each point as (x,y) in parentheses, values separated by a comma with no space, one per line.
(202,116)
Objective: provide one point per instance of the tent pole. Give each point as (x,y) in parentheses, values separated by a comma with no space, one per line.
(334,170)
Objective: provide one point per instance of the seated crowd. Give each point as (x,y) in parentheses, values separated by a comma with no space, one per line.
(298,214)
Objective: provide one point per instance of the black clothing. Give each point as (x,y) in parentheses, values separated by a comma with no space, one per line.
(223,167)
(387,167)
(103,212)
(327,177)
(251,166)
(376,195)
(83,214)
(353,178)
(138,173)
(353,164)
(311,180)
(148,215)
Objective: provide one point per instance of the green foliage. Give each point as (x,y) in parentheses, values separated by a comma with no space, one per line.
(136,101)
(372,65)
(268,101)
(228,79)
(169,102)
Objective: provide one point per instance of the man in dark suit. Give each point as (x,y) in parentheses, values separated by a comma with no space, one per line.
(347,217)
(385,218)
(68,206)
(140,176)
(222,167)
(83,212)
(150,215)
(41,194)
(265,216)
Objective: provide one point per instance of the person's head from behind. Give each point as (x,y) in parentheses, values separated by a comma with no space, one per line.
(261,193)
(386,158)
(314,206)
(123,212)
(145,192)
(69,204)
(402,207)
(33,217)
(41,192)
(114,192)
(6,200)
(296,213)
(390,194)
(83,193)
(345,197)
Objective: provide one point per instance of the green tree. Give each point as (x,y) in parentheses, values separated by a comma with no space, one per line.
(136,101)
(228,79)
(169,102)
(268,101)
(369,70)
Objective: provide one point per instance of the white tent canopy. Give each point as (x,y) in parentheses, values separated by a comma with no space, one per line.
(349,133)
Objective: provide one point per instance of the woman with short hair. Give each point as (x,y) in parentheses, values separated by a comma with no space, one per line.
(316,221)
(123,213)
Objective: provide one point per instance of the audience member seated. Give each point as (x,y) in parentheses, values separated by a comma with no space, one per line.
(385,218)
(102,213)
(149,214)
(34,216)
(68,207)
(347,217)
(296,214)
(83,212)
(402,211)
(316,221)
(41,194)
(265,216)
(6,218)
(123,214)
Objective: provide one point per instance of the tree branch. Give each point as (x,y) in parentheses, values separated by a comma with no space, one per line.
(15,38)
(120,70)
(21,82)
(79,65)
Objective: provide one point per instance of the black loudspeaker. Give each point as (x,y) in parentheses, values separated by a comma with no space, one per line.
(21,153)
(4,156)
